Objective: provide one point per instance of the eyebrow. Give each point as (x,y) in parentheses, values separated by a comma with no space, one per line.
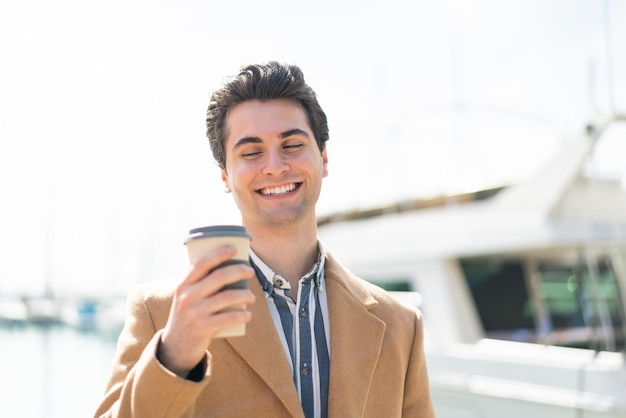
(257,140)
(293,132)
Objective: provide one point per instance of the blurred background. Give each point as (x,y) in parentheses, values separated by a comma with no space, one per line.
(104,165)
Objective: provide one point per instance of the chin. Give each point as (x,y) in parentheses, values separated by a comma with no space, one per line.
(284,218)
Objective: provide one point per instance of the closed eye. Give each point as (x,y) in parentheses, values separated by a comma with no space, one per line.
(250,155)
(293,147)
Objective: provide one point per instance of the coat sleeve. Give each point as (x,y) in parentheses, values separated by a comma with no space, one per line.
(417,396)
(139,386)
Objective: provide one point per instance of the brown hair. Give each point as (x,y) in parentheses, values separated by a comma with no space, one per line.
(272,80)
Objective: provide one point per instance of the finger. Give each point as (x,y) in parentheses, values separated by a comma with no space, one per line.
(190,294)
(211,260)
(224,301)
(228,319)
(223,276)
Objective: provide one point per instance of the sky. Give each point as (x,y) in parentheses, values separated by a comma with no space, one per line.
(104,165)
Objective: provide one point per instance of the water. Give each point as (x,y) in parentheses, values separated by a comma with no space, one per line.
(52,371)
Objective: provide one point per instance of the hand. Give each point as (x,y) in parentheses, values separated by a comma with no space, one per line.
(197,311)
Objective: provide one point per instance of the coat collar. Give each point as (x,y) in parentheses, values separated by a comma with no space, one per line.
(352,363)
(356,337)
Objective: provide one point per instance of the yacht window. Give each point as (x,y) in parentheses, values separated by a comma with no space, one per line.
(500,294)
(558,287)
(587,311)
(575,304)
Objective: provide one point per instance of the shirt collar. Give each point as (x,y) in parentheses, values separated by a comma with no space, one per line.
(267,281)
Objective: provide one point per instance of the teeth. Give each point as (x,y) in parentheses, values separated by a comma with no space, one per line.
(279,190)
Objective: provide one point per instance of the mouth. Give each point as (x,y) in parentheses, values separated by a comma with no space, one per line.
(279,191)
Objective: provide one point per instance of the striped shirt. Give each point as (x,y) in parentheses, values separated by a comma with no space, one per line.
(302,327)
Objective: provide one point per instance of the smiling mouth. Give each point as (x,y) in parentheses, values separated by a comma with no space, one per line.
(279,191)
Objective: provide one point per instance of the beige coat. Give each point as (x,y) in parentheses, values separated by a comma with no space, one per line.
(377,363)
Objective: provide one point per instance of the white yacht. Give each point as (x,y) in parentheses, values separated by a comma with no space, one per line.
(523,288)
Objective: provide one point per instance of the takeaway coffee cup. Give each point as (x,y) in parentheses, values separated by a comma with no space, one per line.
(202,240)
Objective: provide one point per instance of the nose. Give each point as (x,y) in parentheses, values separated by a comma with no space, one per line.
(275,164)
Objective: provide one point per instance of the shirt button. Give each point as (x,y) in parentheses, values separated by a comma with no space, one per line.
(265,287)
(306,369)
(278,282)
(303,313)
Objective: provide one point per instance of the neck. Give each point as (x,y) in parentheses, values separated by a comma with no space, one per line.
(290,253)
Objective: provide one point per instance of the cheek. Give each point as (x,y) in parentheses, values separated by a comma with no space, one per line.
(237,177)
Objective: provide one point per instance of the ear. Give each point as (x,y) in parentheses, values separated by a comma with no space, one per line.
(325,163)
(225,180)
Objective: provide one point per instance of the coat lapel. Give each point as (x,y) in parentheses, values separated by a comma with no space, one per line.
(260,348)
(356,337)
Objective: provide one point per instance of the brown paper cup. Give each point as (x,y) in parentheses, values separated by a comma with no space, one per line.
(202,240)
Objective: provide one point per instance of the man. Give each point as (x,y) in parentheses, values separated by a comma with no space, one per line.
(319,341)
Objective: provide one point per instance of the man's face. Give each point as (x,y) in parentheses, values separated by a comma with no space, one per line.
(274,167)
